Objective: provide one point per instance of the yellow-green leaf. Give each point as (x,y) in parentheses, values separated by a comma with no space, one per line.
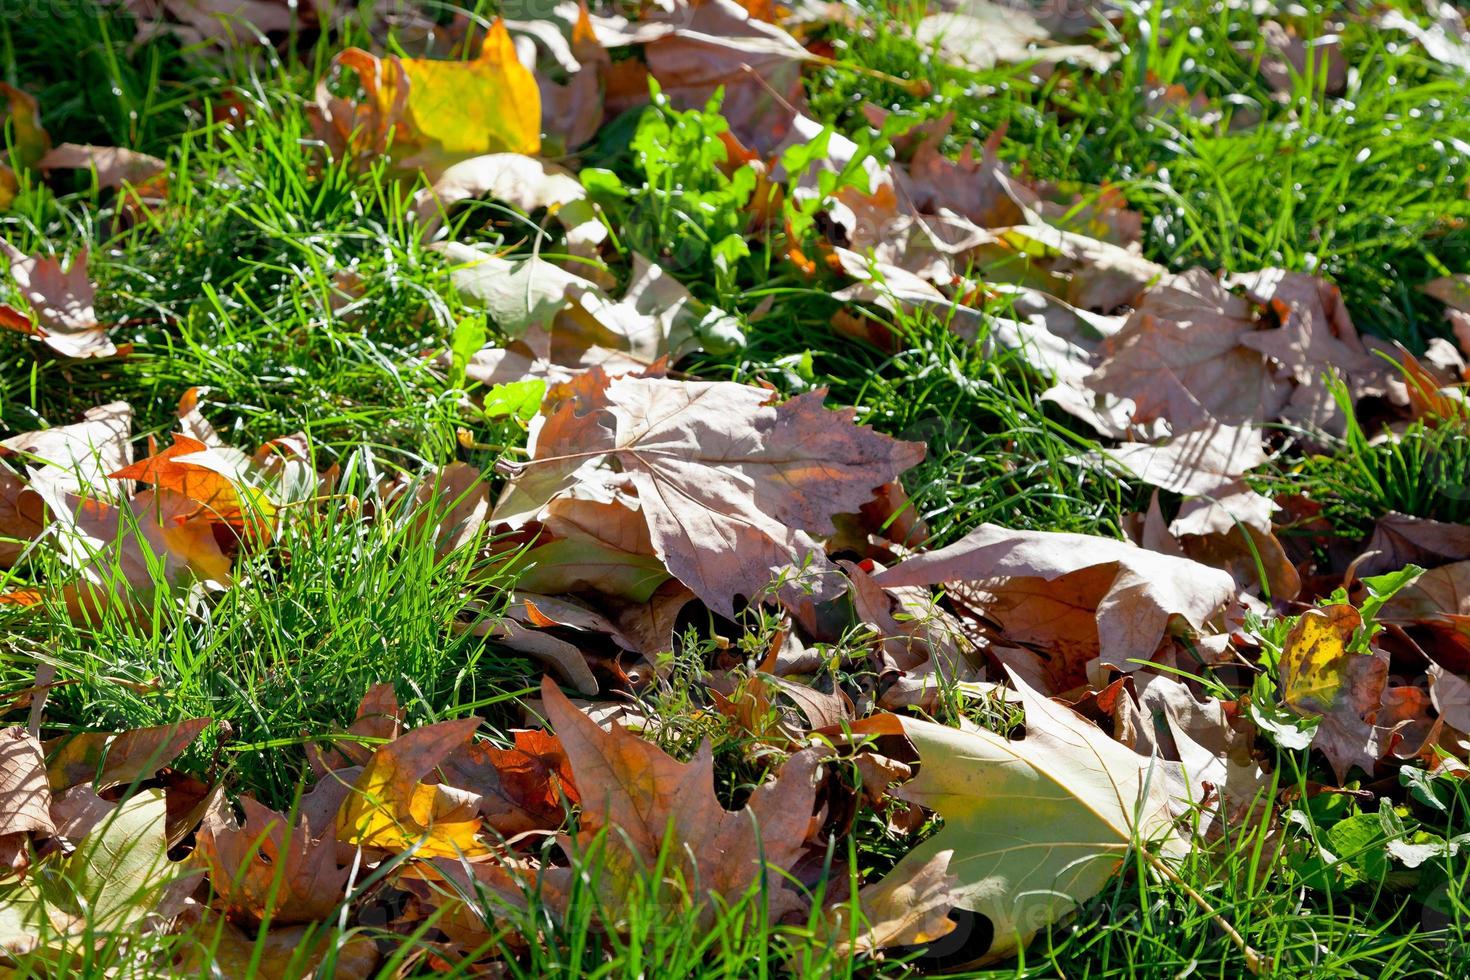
(1036,826)
(1322,675)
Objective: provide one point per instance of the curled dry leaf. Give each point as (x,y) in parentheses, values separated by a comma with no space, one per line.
(1451,697)
(27,140)
(593,545)
(25,798)
(902,911)
(113,165)
(125,552)
(1316,337)
(1253,555)
(574,111)
(106,759)
(1399,540)
(1437,592)
(525,787)
(1220,785)
(526,182)
(1206,465)
(982,35)
(1072,596)
(1181,359)
(62,314)
(1085,272)
(69,458)
(561,324)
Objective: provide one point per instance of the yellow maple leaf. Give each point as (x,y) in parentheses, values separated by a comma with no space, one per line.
(390,808)
(434,113)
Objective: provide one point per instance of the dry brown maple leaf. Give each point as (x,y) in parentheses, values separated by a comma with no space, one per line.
(25,798)
(1207,466)
(125,551)
(267,868)
(106,759)
(114,165)
(1121,598)
(1399,540)
(643,796)
(1180,358)
(521,788)
(62,313)
(1438,591)
(463,488)
(731,485)
(1244,550)
(694,47)
(1289,56)
(1316,337)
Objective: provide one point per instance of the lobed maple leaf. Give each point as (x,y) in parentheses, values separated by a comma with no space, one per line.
(435,113)
(62,314)
(732,486)
(1033,827)
(643,797)
(268,868)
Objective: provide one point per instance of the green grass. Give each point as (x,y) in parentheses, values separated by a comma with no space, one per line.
(239,287)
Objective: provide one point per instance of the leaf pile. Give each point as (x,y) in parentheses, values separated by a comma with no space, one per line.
(652,512)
